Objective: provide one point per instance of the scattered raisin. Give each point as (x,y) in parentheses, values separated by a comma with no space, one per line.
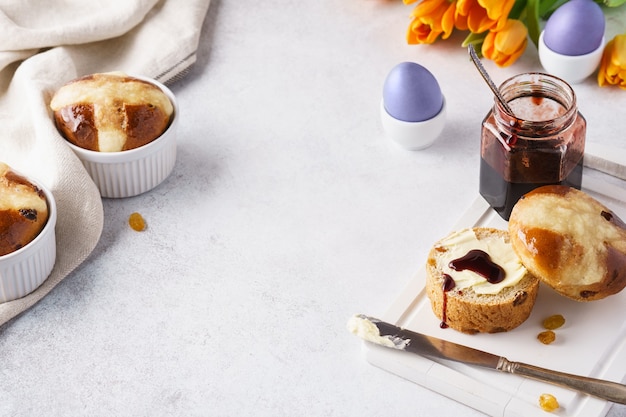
(546,337)
(548,402)
(136,222)
(30,214)
(520,298)
(553,322)
(587,294)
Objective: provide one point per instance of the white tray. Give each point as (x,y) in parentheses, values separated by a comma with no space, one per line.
(591,343)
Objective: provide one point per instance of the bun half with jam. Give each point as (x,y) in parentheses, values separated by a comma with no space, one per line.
(477,284)
(572,242)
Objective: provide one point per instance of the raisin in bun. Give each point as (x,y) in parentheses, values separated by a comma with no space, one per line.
(466,301)
(571,242)
(111,112)
(23,210)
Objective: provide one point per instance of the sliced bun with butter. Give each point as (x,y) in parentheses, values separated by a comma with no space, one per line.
(23,210)
(111,112)
(476,282)
(572,242)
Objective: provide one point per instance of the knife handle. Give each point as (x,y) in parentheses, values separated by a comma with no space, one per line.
(607,390)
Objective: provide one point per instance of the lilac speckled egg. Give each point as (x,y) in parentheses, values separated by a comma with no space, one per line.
(411,93)
(575,28)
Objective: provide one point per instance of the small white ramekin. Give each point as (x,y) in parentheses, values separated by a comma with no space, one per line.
(23,271)
(572,68)
(413,135)
(135,171)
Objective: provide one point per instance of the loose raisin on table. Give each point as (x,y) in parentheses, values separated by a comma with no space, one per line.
(546,337)
(548,402)
(137,222)
(553,322)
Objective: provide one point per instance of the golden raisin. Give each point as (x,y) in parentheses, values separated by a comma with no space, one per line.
(136,222)
(548,402)
(553,322)
(546,337)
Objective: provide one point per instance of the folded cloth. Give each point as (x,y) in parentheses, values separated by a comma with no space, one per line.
(41,51)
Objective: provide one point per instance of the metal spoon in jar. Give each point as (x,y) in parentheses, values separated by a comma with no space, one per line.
(487,79)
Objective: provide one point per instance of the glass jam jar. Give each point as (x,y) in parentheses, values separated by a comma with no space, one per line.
(542,144)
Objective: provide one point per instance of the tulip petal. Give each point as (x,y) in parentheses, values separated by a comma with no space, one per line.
(428,7)
(463,7)
(612,69)
(481,15)
(619,50)
(447,21)
(497,9)
(504,47)
(510,39)
(431,18)
(488,47)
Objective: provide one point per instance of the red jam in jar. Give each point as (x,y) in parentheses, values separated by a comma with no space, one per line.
(543,143)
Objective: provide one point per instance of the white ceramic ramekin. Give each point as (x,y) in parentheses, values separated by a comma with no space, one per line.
(413,135)
(23,271)
(571,68)
(133,172)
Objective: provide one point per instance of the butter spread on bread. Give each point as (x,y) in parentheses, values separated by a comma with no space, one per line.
(464,302)
(459,243)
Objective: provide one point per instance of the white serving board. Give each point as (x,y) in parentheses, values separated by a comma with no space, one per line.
(591,343)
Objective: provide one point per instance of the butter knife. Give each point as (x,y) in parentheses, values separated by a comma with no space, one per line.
(607,159)
(391,336)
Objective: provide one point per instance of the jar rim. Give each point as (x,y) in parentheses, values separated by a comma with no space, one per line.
(537,84)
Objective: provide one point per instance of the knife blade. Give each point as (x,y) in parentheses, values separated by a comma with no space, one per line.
(391,336)
(607,159)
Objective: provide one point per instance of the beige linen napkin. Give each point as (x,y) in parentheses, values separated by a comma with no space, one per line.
(41,51)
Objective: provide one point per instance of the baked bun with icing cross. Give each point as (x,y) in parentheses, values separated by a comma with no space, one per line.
(23,210)
(111,112)
(571,241)
(476,283)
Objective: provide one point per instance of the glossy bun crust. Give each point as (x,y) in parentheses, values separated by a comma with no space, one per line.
(23,210)
(111,112)
(570,241)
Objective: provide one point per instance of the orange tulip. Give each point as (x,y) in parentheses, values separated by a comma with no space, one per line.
(507,44)
(613,65)
(481,15)
(430,18)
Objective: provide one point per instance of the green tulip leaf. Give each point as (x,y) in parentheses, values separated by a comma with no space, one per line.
(546,8)
(475,39)
(613,3)
(518,9)
(532,20)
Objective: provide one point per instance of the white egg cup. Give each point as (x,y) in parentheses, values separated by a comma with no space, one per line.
(23,271)
(135,171)
(571,68)
(413,135)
